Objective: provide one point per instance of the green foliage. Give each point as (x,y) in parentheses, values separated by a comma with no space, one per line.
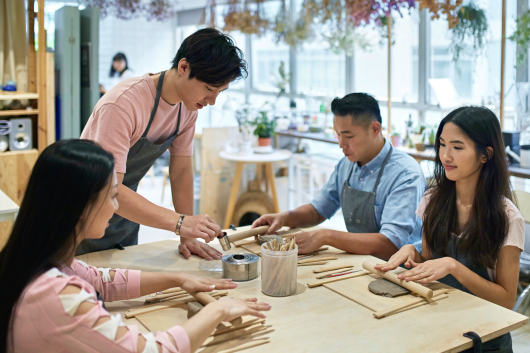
(432,137)
(521,37)
(264,126)
(472,24)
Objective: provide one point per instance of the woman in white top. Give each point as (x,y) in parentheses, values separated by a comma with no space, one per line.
(472,232)
(119,71)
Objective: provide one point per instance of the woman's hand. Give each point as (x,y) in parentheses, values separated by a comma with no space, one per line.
(430,271)
(405,255)
(233,308)
(191,283)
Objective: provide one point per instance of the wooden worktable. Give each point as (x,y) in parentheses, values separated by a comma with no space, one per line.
(428,155)
(319,320)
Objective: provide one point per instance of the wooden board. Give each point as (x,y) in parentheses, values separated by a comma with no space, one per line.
(15,170)
(50,98)
(318,319)
(5,231)
(356,289)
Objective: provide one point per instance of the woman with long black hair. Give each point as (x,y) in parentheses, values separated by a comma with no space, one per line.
(119,71)
(473,232)
(48,300)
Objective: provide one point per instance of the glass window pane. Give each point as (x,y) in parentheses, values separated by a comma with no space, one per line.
(267,58)
(319,71)
(371,65)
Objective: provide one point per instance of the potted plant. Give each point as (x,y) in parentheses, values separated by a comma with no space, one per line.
(431,138)
(264,129)
(396,139)
(245,122)
(420,146)
(472,24)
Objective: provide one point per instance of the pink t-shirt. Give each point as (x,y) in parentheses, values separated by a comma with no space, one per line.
(122,114)
(43,324)
(515,236)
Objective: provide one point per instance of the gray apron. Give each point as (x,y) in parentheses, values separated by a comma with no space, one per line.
(142,155)
(358,207)
(501,344)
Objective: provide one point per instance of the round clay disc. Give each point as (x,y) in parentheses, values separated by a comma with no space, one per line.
(386,288)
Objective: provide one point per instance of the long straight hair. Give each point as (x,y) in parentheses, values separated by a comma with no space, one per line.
(117,57)
(487,226)
(66,181)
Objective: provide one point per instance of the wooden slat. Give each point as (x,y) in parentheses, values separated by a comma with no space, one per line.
(19,112)
(15,169)
(42,134)
(18,95)
(32,55)
(50,97)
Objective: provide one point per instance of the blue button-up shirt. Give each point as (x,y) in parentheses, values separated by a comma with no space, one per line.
(397,197)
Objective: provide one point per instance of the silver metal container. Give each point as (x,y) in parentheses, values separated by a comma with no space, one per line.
(240,266)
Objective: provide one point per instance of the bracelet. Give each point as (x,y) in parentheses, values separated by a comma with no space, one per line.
(181,219)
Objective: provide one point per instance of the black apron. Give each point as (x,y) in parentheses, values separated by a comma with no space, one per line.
(358,207)
(501,344)
(142,155)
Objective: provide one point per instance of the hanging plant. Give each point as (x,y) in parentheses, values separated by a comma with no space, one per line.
(247,18)
(365,12)
(472,24)
(159,10)
(448,8)
(344,40)
(293,34)
(521,37)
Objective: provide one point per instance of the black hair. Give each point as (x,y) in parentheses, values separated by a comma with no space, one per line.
(362,107)
(66,181)
(487,225)
(118,57)
(213,57)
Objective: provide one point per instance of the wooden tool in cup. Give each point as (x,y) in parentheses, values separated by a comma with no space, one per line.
(226,240)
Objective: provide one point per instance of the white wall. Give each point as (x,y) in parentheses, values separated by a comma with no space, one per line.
(148,45)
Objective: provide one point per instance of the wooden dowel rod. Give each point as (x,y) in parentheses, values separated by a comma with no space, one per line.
(314,263)
(203,297)
(166,297)
(336,279)
(172,290)
(253,321)
(393,277)
(334,272)
(235,334)
(327,258)
(331,268)
(248,233)
(439,294)
(168,304)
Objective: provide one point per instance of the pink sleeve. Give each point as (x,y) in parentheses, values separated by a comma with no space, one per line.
(120,289)
(113,129)
(516,231)
(183,144)
(179,335)
(45,318)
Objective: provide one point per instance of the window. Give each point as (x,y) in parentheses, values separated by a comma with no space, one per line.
(267,58)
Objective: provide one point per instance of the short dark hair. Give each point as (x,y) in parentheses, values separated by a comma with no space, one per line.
(213,57)
(362,107)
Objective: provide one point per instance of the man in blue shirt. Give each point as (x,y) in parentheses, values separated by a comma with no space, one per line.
(377,186)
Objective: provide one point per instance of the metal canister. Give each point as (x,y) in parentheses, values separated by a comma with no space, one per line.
(240,266)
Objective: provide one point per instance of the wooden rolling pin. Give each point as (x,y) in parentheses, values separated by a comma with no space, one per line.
(393,277)
(227,239)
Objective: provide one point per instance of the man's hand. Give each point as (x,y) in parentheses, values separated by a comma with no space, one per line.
(200,226)
(192,246)
(274,220)
(310,241)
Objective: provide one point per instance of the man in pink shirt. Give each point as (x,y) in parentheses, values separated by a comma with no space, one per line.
(140,118)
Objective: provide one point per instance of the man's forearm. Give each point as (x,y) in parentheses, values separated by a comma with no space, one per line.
(182,190)
(138,209)
(375,244)
(303,216)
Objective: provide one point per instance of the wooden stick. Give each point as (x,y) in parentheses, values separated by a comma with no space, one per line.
(332,268)
(168,304)
(253,321)
(166,297)
(439,294)
(210,341)
(316,260)
(393,277)
(171,290)
(335,279)
(251,344)
(333,272)
(314,263)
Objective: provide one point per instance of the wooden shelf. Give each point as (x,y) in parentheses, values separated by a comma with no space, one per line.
(18,95)
(19,112)
(14,153)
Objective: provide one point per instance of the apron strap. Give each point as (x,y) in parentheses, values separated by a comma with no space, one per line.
(477,341)
(178,121)
(157,99)
(382,169)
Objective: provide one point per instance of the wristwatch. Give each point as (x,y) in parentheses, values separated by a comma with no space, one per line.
(181,219)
